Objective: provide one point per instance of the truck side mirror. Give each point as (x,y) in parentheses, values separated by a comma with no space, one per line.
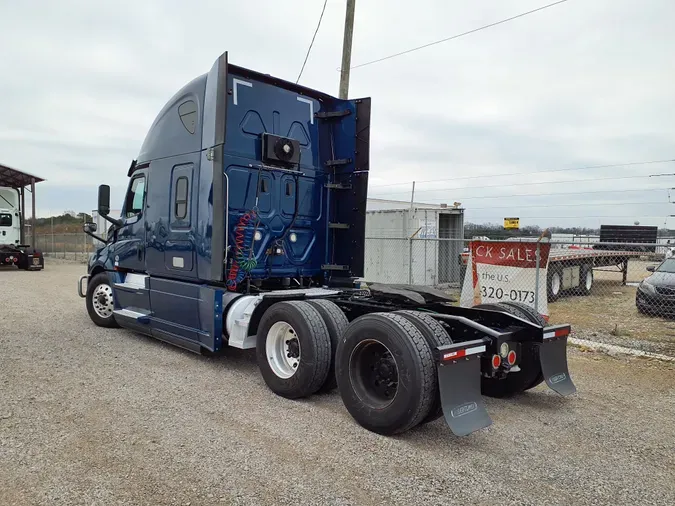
(104,204)
(104,200)
(90,227)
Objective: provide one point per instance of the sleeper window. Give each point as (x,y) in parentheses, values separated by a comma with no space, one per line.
(187,111)
(181,198)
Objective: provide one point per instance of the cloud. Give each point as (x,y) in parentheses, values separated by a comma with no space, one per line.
(582,83)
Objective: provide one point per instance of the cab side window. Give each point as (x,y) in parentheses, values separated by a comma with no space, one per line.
(135,197)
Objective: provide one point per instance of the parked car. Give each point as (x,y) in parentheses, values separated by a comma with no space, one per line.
(656,293)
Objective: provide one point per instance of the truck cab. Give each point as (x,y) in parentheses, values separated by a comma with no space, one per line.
(244,184)
(10,224)
(243,225)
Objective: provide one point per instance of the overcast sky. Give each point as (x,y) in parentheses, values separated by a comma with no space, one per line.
(584,83)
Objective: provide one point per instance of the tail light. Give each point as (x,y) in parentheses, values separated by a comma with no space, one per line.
(496,361)
(511,358)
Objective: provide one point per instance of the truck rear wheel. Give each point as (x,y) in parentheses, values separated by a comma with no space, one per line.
(530,374)
(436,336)
(100,303)
(585,280)
(293,349)
(385,373)
(336,322)
(554,283)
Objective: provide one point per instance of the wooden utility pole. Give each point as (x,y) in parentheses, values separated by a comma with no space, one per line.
(347,49)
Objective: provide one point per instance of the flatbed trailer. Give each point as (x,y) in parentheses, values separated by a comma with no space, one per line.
(244,225)
(570,270)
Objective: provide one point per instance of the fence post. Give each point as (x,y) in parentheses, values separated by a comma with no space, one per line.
(410,240)
(536,280)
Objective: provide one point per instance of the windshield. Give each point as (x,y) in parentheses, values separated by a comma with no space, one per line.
(667,266)
(5,220)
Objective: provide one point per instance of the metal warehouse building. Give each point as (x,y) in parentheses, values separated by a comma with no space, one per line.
(413,243)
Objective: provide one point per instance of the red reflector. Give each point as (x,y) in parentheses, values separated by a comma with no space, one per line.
(562,332)
(511,357)
(496,361)
(16,260)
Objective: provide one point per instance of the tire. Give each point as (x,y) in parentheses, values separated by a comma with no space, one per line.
(532,350)
(530,374)
(529,313)
(435,335)
(99,299)
(585,280)
(22,264)
(554,281)
(293,330)
(385,344)
(336,322)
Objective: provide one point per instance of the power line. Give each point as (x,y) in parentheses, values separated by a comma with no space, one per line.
(581,216)
(458,35)
(576,204)
(515,184)
(588,167)
(311,43)
(557,194)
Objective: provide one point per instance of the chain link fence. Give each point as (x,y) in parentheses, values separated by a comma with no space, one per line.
(621,293)
(68,246)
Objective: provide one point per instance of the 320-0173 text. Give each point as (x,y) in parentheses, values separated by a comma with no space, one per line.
(491,292)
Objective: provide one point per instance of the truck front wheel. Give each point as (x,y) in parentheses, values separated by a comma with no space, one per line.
(100,304)
(293,349)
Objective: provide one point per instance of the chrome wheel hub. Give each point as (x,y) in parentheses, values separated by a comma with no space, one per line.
(102,300)
(283,350)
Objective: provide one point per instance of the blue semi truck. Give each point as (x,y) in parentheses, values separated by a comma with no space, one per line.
(243,225)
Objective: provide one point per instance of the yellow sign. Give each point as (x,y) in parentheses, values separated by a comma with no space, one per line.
(512,223)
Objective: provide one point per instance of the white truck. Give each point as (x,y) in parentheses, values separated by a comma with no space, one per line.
(13,251)
(10,224)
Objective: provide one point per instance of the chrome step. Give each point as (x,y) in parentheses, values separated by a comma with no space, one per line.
(129,313)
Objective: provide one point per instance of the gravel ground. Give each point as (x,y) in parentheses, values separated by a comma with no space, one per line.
(98,417)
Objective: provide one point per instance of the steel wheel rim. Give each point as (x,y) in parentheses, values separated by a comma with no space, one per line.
(283,350)
(555,283)
(589,280)
(373,373)
(102,301)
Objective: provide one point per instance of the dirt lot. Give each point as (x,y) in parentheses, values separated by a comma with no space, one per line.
(609,313)
(97,417)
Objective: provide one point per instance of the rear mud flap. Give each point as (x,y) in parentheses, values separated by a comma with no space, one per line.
(553,360)
(459,384)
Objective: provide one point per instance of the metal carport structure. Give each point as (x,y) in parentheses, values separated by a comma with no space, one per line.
(12,178)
